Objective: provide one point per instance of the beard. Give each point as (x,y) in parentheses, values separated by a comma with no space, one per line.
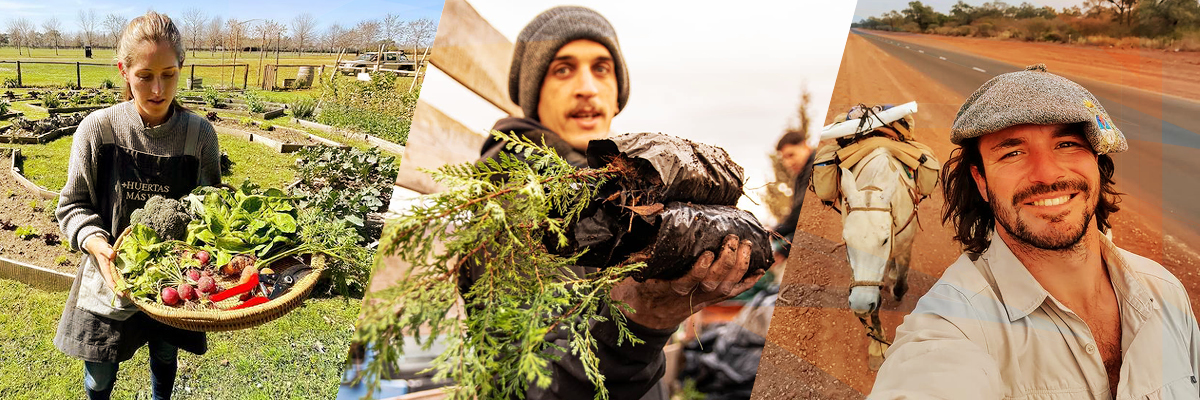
(1051,239)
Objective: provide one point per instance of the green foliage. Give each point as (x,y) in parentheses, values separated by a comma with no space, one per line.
(498,350)
(246,220)
(348,273)
(267,126)
(70,85)
(247,121)
(380,107)
(11,83)
(62,260)
(255,102)
(27,232)
(4,106)
(146,263)
(303,108)
(51,100)
(107,83)
(212,97)
(346,182)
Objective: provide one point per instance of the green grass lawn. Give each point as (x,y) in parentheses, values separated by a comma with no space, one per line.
(46,164)
(298,356)
(92,76)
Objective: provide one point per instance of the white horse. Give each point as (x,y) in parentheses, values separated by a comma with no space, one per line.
(879,206)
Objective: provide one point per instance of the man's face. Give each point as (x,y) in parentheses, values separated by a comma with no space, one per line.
(1042,182)
(794,156)
(579,94)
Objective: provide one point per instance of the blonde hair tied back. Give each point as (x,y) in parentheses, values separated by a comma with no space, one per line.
(151,27)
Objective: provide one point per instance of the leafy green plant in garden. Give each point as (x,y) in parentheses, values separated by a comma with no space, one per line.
(303,108)
(4,106)
(27,232)
(380,107)
(247,121)
(51,100)
(346,182)
(212,97)
(107,83)
(255,102)
(498,350)
(267,126)
(11,83)
(348,274)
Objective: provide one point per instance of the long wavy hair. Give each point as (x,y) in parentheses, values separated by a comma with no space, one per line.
(972,216)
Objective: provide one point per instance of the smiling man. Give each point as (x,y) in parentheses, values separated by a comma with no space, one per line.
(569,78)
(1042,304)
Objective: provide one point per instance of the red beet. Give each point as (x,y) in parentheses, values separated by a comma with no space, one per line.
(203,257)
(169,296)
(187,292)
(207,285)
(193,274)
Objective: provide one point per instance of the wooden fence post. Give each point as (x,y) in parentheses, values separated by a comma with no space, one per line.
(246,77)
(78,78)
(19,75)
(192,77)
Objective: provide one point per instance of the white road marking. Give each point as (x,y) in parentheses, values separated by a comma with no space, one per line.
(943,58)
(977,69)
(922,51)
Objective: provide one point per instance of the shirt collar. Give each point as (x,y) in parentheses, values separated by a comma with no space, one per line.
(1022,294)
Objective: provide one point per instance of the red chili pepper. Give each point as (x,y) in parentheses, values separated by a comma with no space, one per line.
(254,301)
(236,290)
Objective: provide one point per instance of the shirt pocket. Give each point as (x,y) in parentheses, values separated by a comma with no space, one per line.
(1179,389)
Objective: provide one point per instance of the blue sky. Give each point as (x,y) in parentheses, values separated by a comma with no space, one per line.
(875,8)
(327,12)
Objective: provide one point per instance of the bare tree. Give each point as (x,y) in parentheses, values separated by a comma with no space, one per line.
(367,34)
(214,34)
(53,28)
(1123,10)
(303,29)
(419,33)
(393,26)
(267,29)
(19,32)
(114,23)
(193,26)
(87,23)
(335,37)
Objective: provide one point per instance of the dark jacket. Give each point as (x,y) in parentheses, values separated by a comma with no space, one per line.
(630,372)
(787,227)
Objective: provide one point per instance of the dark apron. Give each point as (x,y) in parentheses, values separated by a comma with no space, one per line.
(134,177)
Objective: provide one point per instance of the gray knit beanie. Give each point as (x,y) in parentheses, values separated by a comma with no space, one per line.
(539,42)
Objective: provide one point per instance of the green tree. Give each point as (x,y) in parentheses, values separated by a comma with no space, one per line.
(1166,17)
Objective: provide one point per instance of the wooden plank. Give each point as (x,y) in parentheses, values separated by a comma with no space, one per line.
(35,276)
(439,140)
(472,52)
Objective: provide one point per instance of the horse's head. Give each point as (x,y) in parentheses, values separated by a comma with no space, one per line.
(867,230)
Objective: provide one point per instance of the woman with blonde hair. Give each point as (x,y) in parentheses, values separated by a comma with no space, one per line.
(122,155)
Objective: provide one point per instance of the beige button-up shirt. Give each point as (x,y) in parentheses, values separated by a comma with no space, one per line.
(988,330)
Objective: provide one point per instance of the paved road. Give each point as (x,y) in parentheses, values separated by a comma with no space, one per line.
(1162,165)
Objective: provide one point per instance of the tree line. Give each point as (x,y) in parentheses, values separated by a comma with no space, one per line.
(1146,23)
(216,33)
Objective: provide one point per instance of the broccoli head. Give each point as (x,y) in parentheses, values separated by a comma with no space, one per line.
(168,218)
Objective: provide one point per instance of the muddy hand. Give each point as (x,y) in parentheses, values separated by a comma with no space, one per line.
(661,304)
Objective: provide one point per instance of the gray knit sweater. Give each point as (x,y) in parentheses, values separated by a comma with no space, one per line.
(76,213)
(77,203)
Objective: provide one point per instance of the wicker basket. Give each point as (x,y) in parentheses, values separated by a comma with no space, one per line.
(230,320)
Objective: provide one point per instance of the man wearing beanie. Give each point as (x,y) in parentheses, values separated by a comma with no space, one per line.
(569,78)
(1041,304)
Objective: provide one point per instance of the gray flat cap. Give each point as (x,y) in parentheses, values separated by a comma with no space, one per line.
(540,40)
(1034,96)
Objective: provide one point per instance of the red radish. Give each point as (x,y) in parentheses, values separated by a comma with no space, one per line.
(193,274)
(207,285)
(203,257)
(169,296)
(187,292)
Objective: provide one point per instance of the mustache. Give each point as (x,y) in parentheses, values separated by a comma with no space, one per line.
(587,106)
(1042,188)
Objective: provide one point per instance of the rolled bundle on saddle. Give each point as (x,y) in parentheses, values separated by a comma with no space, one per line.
(675,202)
(923,166)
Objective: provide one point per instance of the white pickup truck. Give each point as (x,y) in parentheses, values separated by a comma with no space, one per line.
(393,60)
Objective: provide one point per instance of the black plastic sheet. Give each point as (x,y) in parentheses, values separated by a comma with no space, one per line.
(685,231)
(671,168)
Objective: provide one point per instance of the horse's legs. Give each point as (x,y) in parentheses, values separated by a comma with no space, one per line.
(879,344)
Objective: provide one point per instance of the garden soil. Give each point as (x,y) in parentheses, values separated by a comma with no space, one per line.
(816,347)
(15,208)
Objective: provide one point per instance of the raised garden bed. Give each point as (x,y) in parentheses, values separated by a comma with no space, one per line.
(63,110)
(9,134)
(16,162)
(11,115)
(376,141)
(281,139)
(30,214)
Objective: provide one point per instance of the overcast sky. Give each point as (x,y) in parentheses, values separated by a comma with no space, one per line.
(680,85)
(327,12)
